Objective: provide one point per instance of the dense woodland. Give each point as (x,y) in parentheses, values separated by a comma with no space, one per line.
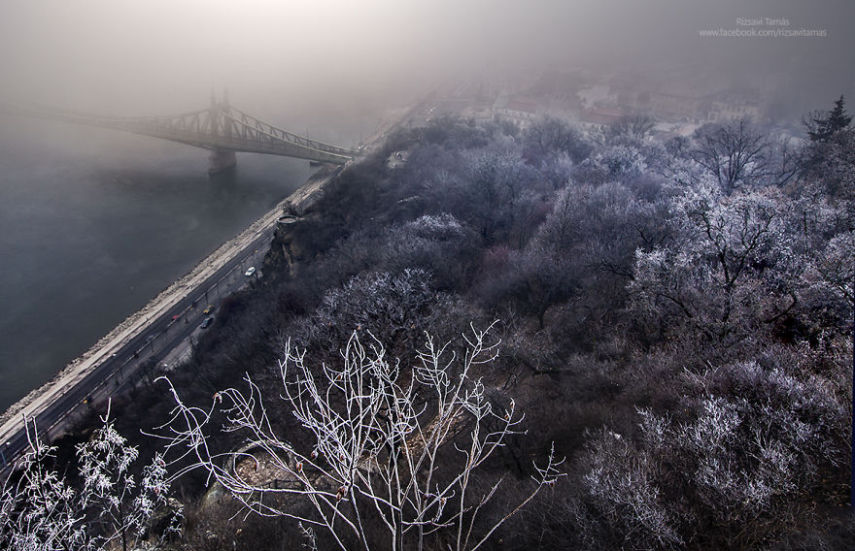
(673,317)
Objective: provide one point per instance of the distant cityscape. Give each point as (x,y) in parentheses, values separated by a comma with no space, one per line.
(595,100)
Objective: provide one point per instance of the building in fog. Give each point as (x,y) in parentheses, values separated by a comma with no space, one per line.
(522,111)
(732,106)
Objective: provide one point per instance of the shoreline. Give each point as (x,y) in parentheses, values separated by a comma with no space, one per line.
(29,406)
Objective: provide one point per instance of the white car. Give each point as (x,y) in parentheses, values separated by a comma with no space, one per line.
(249,272)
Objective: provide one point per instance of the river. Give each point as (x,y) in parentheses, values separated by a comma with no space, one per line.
(94,223)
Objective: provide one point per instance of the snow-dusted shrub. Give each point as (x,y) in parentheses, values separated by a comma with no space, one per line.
(744,454)
(394,308)
(42,511)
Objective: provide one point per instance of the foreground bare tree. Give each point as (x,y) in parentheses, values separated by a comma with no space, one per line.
(380,441)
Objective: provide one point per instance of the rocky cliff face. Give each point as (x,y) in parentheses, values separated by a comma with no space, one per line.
(290,245)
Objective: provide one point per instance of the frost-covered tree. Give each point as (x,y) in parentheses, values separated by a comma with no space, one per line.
(551,136)
(42,511)
(728,267)
(440,244)
(630,128)
(736,154)
(822,126)
(605,225)
(113,497)
(830,166)
(497,183)
(395,307)
(533,280)
(746,453)
(614,163)
(828,283)
(390,447)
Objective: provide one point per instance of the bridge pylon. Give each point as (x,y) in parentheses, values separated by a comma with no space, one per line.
(221,160)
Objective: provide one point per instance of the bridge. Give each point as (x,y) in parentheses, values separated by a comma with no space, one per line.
(221,128)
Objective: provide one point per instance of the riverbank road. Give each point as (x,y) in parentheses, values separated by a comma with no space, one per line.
(125,356)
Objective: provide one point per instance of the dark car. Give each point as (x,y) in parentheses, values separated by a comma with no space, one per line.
(206,323)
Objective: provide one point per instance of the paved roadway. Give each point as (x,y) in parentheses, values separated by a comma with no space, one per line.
(156,339)
(112,365)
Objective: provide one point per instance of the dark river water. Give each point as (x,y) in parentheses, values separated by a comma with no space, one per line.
(94,223)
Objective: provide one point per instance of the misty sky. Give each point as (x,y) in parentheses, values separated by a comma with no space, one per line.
(162,56)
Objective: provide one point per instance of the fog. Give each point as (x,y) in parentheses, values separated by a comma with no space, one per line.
(322,62)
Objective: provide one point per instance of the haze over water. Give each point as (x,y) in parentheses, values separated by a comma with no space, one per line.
(90,233)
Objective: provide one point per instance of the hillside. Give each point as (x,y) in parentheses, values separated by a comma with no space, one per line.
(672,316)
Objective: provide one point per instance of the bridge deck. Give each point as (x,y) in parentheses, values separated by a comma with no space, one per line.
(220,128)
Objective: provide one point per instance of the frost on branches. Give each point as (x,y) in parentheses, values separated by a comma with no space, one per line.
(392,449)
(41,511)
(732,261)
(744,460)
